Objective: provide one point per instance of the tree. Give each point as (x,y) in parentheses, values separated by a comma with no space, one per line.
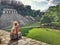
(52,15)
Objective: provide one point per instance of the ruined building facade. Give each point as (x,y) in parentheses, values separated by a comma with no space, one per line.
(10,15)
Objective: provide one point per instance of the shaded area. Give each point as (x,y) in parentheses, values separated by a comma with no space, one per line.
(13,42)
(25,31)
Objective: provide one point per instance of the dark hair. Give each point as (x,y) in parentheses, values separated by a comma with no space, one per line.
(15,24)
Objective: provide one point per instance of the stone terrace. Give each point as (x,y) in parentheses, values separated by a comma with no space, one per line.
(24,41)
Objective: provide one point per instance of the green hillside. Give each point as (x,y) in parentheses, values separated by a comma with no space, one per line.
(45,35)
(51,15)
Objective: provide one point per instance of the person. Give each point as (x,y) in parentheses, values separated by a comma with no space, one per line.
(14,31)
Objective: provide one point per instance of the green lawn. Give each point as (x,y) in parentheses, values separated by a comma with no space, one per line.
(25,31)
(33,24)
(45,35)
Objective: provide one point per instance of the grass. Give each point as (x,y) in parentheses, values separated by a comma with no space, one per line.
(33,24)
(25,31)
(45,35)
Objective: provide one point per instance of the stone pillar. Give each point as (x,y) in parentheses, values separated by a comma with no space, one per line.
(3,12)
(7,12)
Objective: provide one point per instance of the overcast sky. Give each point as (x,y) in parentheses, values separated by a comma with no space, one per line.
(40,4)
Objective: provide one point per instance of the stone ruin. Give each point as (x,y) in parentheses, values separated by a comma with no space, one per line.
(5,40)
(10,15)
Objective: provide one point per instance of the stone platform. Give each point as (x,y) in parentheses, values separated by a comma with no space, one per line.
(24,41)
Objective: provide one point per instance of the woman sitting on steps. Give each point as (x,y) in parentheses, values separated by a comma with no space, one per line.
(14,34)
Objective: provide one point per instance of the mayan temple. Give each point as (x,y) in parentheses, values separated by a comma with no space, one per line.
(10,15)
